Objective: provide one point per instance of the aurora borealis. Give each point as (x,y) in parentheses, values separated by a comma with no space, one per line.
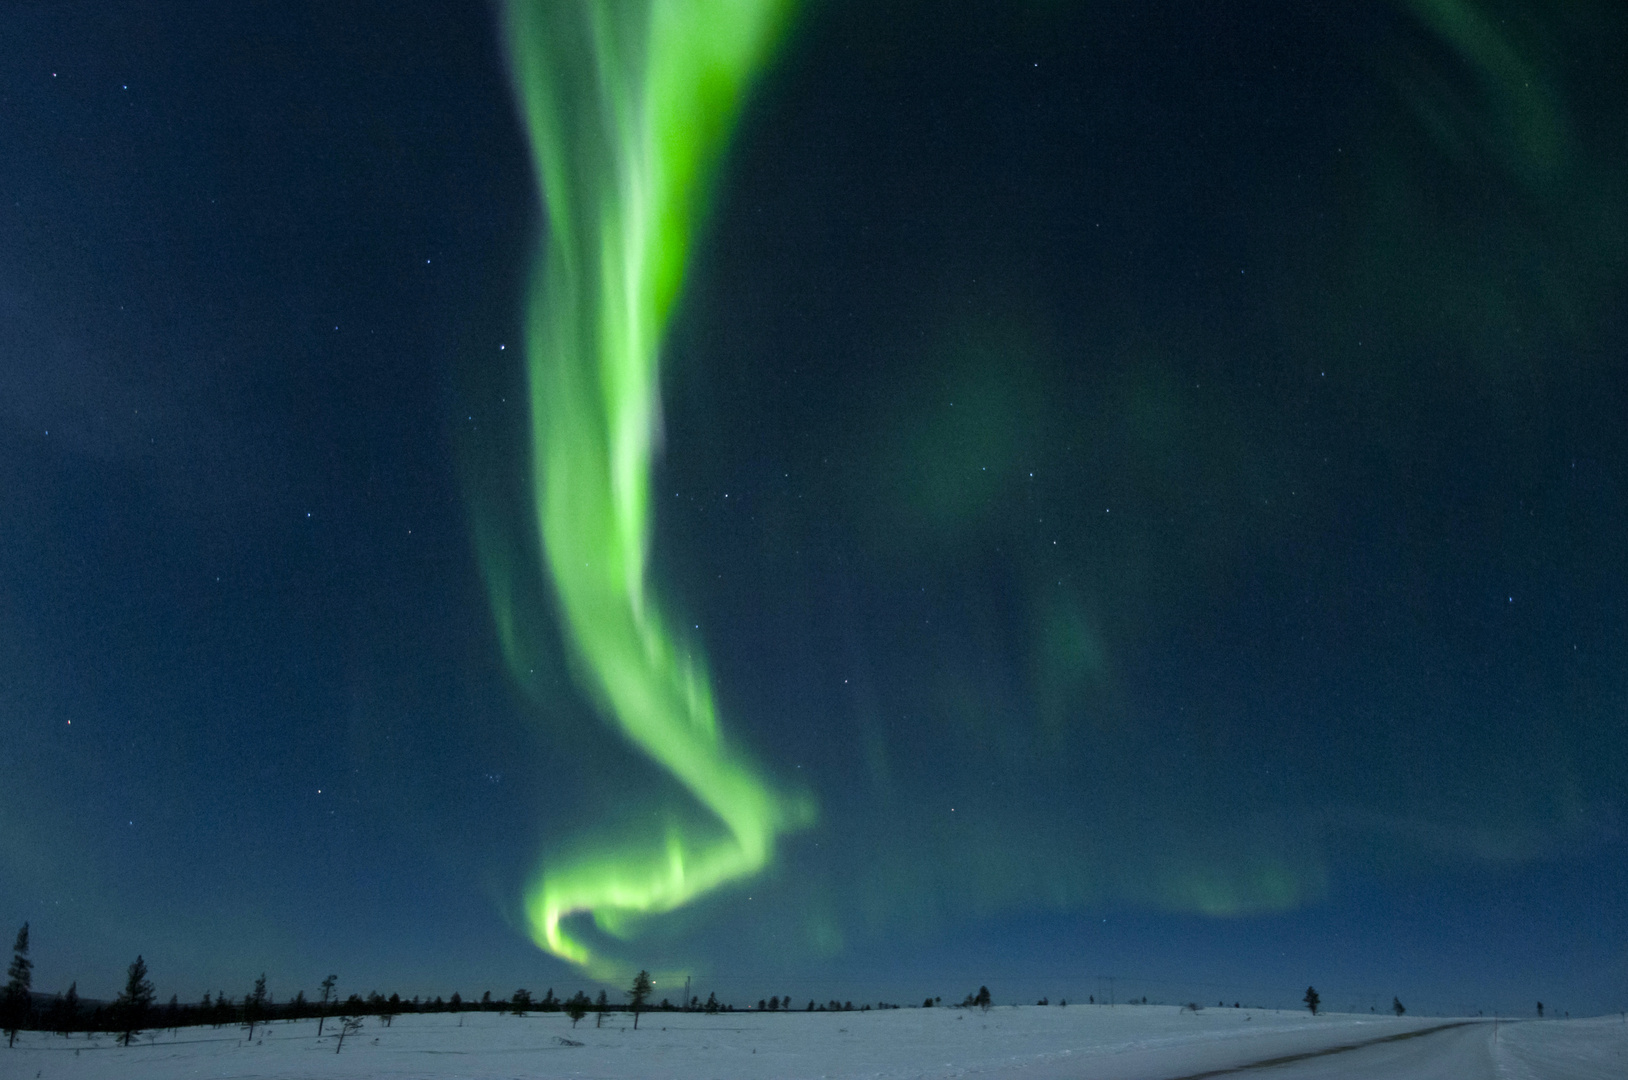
(825,499)
(627,107)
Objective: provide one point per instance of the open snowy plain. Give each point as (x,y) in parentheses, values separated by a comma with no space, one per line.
(1147,1042)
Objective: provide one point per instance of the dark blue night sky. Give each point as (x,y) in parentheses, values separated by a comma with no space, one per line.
(1154,475)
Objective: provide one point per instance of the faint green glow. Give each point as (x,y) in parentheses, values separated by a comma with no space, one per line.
(1522,119)
(628,106)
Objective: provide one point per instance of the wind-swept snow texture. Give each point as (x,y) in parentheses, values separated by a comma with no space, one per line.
(1146,1042)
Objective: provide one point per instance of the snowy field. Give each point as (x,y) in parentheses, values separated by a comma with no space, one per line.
(1147,1042)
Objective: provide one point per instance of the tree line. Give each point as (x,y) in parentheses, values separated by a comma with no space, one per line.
(136,1009)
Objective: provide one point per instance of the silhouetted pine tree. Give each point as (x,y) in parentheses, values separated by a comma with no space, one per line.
(254,1006)
(18,1004)
(637,994)
(132,1006)
(350,1020)
(327,998)
(577,1007)
(18,999)
(70,1008)
(1397,1007)
(1312,1000)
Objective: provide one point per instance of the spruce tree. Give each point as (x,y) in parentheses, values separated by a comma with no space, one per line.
(327,996)
(132,1006)
(70,1007)
(1312,1000)
(349,1022)
(254,1006)
(638,993)
(19,1000)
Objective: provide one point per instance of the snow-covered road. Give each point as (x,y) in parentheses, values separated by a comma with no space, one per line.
(1568,1050)
(1452,1051)
(1031,1043)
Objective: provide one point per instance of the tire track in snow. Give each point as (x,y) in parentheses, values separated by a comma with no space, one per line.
(1327,1051)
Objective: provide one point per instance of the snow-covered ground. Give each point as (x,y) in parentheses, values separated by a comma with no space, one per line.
(1146,1042)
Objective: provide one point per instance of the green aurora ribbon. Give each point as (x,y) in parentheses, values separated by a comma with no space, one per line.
(628,106)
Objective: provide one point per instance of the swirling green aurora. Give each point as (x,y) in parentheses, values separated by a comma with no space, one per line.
(628,107)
